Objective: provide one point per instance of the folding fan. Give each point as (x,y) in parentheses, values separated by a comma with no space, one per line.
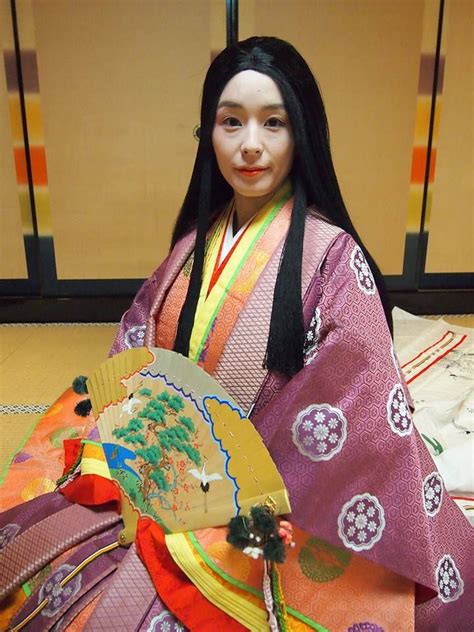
(177,444)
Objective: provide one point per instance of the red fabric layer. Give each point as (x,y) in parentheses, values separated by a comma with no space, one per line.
(72,447)
(91,489)
(87,489)
(173,586)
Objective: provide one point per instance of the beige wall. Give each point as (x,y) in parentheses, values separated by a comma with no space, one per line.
(365,56)
(120,84)
(451,234)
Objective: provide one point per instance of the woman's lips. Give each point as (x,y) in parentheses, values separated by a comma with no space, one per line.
(251,172)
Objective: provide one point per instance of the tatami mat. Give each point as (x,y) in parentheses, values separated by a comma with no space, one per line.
(13,431)
(38,362)
(463,320)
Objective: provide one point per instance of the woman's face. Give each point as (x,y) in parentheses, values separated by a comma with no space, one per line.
(252,138)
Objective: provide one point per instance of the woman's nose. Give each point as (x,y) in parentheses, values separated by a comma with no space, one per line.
(251,143)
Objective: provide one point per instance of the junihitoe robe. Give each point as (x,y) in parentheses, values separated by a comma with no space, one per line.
(365,495)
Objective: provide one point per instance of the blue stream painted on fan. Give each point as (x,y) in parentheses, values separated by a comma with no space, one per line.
(116,456)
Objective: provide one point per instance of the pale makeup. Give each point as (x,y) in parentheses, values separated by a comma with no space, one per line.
(252,140)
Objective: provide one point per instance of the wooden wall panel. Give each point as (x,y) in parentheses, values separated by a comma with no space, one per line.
(365,56)
(450,226)
(120,86)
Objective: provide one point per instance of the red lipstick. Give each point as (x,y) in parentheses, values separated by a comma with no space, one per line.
(250,172)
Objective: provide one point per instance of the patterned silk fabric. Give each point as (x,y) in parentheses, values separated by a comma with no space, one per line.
(340,432)
(314,573)
(39,463)
(242,272)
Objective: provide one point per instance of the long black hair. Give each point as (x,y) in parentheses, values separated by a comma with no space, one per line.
(314,182)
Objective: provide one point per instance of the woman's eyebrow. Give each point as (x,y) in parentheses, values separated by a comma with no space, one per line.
(235,105)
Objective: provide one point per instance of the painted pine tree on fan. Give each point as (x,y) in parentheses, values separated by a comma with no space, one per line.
(172,433)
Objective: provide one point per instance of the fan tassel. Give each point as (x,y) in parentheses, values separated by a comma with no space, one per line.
(79,385)
(268,597)
(279,599)
(259,535)
(83,408)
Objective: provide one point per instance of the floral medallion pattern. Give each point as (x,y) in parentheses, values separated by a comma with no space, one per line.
(432,493)
(363,274)
(322,562)
(311,339)
(135,336)
(361,522)
(165,622)
(448,579)
(366,626)
(319,432)
(398,412)
(56,594)
(7,533)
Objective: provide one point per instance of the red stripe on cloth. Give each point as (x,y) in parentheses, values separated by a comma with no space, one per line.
(437,359)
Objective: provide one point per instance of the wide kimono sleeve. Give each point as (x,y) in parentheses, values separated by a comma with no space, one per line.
(131,332)
(343,438)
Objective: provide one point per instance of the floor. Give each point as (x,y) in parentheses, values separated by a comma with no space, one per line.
(38,362)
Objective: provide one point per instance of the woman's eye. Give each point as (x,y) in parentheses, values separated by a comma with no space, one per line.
(231,121)
(275,122)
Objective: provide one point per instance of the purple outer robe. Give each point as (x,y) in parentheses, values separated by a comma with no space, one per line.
(340,431)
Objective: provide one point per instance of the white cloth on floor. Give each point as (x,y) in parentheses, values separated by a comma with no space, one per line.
(437,359)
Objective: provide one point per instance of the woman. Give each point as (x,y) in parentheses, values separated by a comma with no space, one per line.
(269,288)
